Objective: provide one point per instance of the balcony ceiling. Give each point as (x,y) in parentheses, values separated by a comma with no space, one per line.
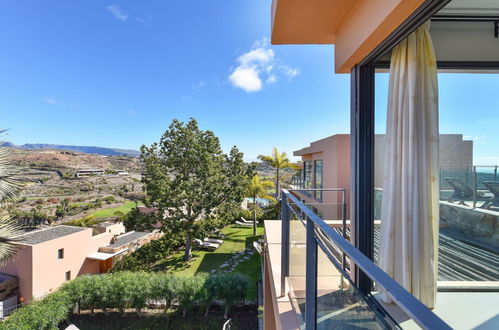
(307,22)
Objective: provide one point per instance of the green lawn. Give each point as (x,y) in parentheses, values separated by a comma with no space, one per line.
(238,238)
(109,212)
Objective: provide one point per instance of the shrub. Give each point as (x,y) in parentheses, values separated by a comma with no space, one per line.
(229,287)
(47,313)
(110,199)
(164,287)
(127,290)
(148,254)
(190,290)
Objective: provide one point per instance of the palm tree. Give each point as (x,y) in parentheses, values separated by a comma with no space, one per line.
(278,160)
(10,187)
(258,189)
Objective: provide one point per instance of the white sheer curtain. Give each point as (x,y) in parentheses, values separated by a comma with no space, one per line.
(410,210)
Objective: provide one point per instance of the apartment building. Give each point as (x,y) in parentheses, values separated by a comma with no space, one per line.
(320,276)
(50,256)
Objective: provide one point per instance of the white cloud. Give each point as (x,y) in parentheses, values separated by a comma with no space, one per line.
(147,20)
(247,79)
(271,79)
(257,67)
(53,101)
(117,12)
(199,84)
(290,72)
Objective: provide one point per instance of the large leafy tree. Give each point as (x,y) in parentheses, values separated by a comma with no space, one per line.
(10,187)
(277,160)
(258,188)
(189,178)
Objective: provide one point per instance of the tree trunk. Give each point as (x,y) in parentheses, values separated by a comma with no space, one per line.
(226,314)
(188,248)
(254,216)
(207,310)
(277,191)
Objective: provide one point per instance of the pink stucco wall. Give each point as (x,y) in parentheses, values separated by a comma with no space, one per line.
(335,154)
(22,266)
(334,151)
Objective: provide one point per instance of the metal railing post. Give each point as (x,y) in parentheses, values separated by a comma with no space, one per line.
(495,173)
(475,187)
(285,218)
(311,278)
(344,225)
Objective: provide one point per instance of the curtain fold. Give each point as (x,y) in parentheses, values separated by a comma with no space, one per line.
(410,209)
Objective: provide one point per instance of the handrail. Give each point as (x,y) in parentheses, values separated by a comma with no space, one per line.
(423,316)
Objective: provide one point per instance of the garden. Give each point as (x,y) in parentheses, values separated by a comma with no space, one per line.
(141,300)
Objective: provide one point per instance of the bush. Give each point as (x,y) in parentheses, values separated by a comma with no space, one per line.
(127,290)
(110,200)
(229,287)
(47,313)
(148,254)
(190,291)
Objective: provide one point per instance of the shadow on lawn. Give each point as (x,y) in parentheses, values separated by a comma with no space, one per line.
(212,261)
(176,262)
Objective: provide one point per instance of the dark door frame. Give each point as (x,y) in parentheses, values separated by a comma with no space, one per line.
(362,135)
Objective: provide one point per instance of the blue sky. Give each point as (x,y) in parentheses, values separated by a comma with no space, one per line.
(92,72)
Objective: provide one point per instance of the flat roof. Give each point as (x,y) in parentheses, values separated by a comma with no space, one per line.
(104,255)
(48,234)
(106,224)
(128,238)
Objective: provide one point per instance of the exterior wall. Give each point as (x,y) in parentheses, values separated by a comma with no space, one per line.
(335,154)
(355,27)
(9,287)
(365,26)
(21,267)
(453,152)
(39,269)
(49,271)
(114,229)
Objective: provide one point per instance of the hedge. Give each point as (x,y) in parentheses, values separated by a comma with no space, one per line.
(126,290)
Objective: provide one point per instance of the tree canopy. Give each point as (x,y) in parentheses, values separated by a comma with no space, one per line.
(188,177)
(277,160)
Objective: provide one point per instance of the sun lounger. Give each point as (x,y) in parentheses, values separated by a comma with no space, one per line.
(244,223)
(206,245)
(213,240)
(493,187)
(462,191)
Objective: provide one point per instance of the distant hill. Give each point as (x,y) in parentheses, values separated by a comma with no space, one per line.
(85,149)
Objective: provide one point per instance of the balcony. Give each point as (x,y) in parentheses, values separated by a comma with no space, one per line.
(317,289)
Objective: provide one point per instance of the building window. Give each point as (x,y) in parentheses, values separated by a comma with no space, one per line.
(318,178)
(307,174)
(60,254)
(68,275)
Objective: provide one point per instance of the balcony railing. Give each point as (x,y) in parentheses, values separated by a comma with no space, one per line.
(323,290)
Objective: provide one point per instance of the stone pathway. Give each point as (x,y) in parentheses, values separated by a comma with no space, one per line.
(231,264)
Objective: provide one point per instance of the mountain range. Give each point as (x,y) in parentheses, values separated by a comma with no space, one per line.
(85,149)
